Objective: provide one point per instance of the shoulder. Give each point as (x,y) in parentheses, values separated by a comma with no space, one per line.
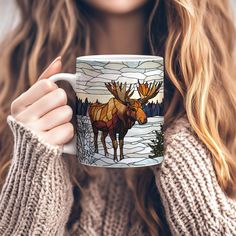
(184,150)
(186,180)
(182,143)
(181,133)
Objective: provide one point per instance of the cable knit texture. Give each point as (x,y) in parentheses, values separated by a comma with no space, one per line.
(193,200)
(37,197)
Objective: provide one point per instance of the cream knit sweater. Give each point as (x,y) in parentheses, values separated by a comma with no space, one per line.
(36,198)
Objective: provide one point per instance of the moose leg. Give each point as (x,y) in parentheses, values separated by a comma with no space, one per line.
(95,131)
(121,144)
(103,139)
(114,144)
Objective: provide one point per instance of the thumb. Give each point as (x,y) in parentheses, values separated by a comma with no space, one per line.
(53,68)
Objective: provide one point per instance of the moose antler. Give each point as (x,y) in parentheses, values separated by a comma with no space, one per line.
(120,91)
(148,91)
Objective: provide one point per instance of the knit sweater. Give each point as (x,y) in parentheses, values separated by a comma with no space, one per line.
(37,195)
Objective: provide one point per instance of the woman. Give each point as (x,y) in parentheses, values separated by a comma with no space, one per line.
(193,192)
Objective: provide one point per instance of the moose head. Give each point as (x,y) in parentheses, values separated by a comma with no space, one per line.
(134,106)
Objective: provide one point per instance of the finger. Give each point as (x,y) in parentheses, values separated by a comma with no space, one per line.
(52,119)
(35,92)
(38,89)
(59,135)
(53,68)
(49,102)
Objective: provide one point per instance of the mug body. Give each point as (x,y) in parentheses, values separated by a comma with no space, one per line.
(119,110)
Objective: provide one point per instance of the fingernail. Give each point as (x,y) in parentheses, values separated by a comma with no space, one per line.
(55,60)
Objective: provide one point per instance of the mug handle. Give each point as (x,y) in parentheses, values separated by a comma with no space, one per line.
(70,147)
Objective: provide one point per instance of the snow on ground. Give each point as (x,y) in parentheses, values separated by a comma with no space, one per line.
(136,149)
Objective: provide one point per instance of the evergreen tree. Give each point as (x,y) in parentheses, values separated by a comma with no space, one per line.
(162,107)
(157,145)
(157,109)
(85,107)
(79,106)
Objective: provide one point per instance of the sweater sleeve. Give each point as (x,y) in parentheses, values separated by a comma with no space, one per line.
(36,197)
(193,201)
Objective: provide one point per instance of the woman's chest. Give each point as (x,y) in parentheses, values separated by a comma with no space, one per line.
(108,208)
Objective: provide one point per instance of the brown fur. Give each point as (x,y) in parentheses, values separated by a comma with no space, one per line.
(115,118)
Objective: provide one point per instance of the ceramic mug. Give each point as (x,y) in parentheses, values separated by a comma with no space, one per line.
(119,110)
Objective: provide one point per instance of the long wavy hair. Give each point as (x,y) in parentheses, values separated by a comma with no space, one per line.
(196,39)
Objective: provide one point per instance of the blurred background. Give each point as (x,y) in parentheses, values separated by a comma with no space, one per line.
(10,17)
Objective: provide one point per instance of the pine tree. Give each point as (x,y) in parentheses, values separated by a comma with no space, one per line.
(85,107)
(157,145)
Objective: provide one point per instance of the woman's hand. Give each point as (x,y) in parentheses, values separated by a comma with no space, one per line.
(43,108)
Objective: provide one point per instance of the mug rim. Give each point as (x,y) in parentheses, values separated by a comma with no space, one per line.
(119,57)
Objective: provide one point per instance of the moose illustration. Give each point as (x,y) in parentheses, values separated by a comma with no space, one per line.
(120,113)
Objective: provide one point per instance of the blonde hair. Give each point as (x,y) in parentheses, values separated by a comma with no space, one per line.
(196,38)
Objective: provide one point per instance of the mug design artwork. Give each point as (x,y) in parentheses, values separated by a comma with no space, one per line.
(119,113)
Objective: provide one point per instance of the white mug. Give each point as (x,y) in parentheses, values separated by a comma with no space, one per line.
(119,110)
